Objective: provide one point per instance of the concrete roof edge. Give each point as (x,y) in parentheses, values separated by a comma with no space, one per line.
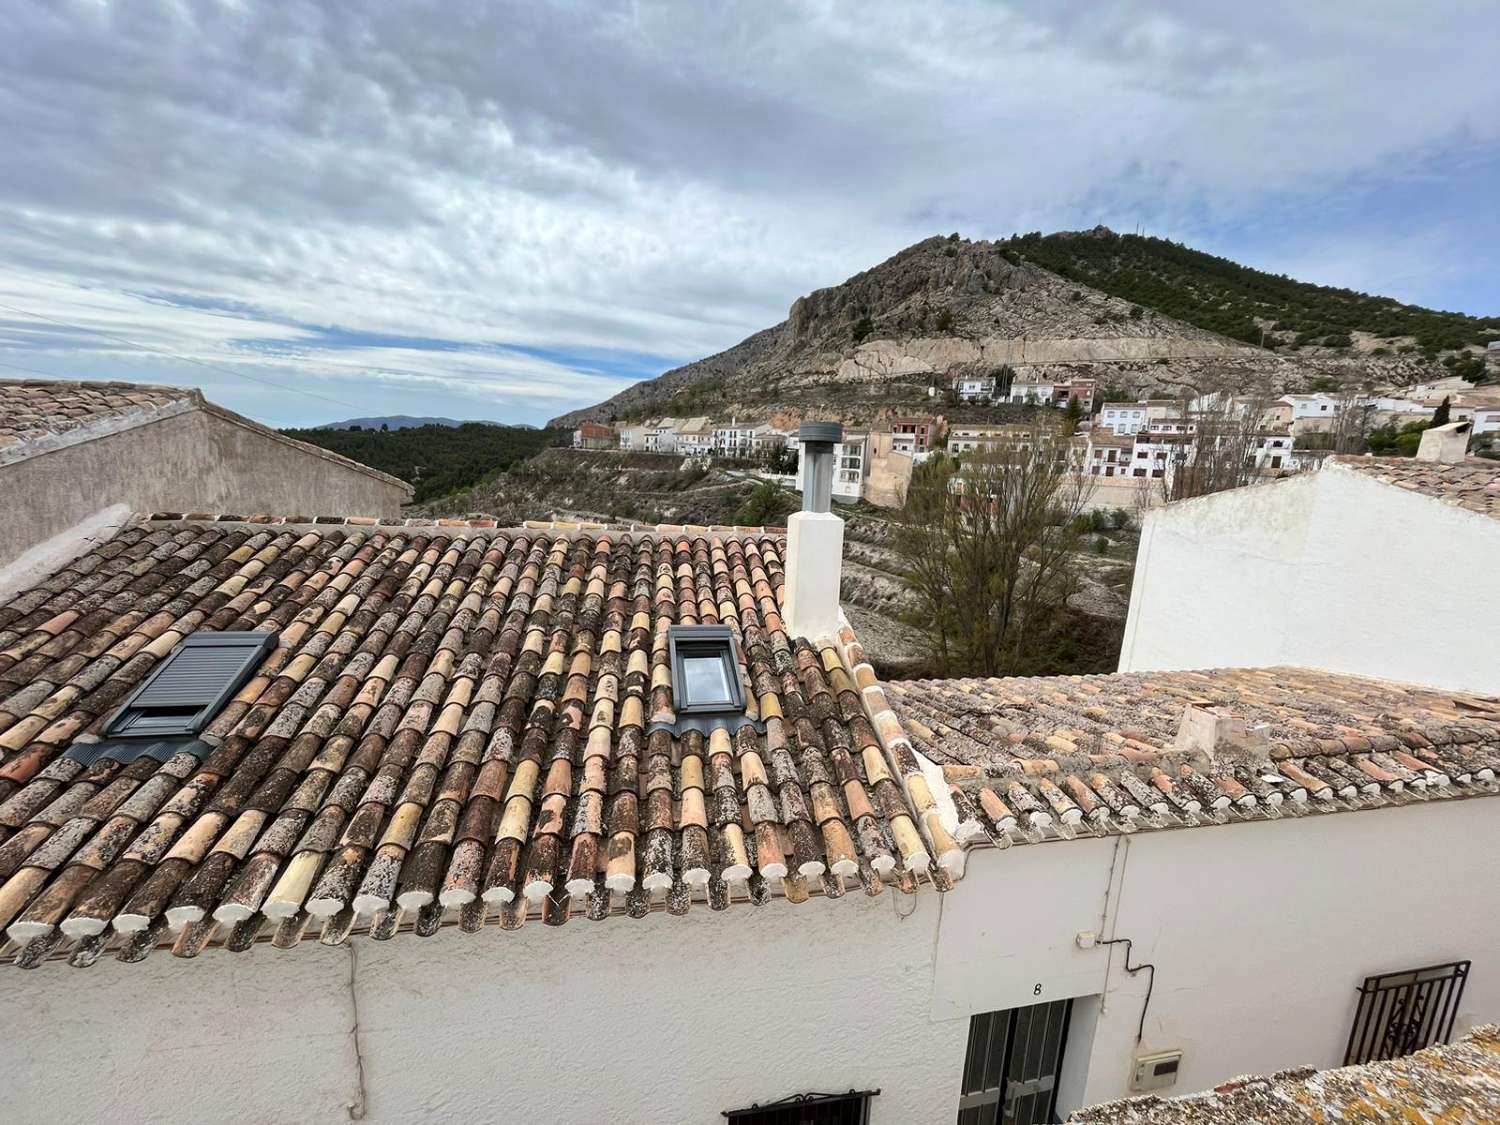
(306,447)
(106,425)
(187,399)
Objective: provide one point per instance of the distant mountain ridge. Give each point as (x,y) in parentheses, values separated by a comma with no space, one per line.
(1072,305)
(394,422)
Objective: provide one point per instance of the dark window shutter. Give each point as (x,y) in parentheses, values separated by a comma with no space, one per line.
(183,695)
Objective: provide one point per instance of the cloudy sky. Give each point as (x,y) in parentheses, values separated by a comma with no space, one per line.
(494,210)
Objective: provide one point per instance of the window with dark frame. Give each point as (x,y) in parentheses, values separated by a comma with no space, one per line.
(197,678)
(1012,1064)
(851,1108)
(705,670)
(1403,1012)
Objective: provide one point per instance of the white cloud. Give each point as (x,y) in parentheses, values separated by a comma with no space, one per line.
(661,180)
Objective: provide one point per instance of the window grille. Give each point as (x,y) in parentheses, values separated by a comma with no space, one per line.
(852,1108)
(1403,1012)
(1011,1067)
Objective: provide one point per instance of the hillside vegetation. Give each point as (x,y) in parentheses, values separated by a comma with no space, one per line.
(435,460)
(1237,301)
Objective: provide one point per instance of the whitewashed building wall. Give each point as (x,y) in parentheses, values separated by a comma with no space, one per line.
(1259,932)
(1329,570)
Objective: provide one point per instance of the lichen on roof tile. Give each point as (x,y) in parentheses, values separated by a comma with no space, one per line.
(37,408)
(1455,1084)
(1049,756)
(1473,484)
(465,724)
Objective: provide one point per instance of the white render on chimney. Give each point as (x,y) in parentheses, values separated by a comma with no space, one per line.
(1260,933)
(814,563)
(1331,570)
(1446,444)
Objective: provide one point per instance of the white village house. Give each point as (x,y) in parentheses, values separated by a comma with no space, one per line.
(1374,566)
(553,824)
(695,437)
(1133,417)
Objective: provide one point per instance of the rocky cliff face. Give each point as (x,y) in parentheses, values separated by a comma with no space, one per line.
(889,340)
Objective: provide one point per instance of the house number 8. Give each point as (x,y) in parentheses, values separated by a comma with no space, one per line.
(1037,991)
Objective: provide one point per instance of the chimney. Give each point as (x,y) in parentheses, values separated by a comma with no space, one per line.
(1220,735)
(1446,445)
(815,539)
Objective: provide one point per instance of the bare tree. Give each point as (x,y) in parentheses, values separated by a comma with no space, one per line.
(1222,453)
(1354,419)
(988,549)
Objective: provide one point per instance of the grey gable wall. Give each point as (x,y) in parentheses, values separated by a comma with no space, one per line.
(197,461)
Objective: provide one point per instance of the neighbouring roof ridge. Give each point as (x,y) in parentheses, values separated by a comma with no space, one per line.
(1202,684)
(1472,484)
(1461,1080)
(1028,760)
(40,416)
(484,523)
(109,384)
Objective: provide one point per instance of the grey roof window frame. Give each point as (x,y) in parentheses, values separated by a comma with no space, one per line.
(191,686)
(705,663)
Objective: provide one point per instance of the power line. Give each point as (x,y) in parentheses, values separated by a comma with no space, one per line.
(174,355)
(29,370)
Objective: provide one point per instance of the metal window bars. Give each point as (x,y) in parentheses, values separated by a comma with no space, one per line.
(850,1108)
(1403,1012)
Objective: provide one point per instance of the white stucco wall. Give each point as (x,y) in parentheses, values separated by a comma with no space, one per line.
(1326,570)
(1260,934)
(647,1022)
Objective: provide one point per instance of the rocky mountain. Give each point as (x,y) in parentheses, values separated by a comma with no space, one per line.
(889,340)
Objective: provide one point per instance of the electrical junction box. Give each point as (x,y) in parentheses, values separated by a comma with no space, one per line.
(1156,1071)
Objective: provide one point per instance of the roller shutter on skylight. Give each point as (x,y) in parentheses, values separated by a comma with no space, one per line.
(187,691)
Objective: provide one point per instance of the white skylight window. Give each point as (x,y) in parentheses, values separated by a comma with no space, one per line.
(705,670)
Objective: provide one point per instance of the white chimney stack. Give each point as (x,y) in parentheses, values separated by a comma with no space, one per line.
(815,539)
(1446,445)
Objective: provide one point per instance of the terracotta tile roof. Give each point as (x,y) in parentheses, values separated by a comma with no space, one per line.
(1030,758)
(458,723)
(1457,1084)
(1473,483)
(39,408)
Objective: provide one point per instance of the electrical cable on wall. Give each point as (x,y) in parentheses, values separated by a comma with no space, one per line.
(1140,1030)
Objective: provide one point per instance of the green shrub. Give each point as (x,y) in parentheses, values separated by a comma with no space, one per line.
(767,506)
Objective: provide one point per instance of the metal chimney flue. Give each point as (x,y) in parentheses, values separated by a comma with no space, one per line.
(818,440)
